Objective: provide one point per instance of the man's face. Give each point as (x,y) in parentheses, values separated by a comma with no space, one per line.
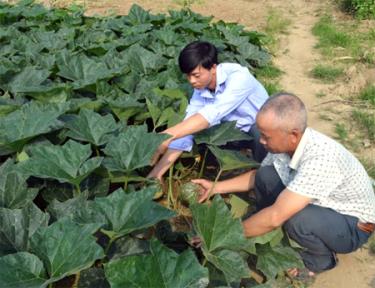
(201,77)
(272,137)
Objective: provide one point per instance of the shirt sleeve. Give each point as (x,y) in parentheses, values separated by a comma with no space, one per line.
(238,88)
(186,143)
(268,160)
(316,177)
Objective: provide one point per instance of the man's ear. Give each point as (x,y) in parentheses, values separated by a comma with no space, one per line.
(296,135)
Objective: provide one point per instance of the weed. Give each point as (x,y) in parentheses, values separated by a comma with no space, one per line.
(326,73)
(269,72)
(328,34)
(272,87)
(367,121)
(320,94)
(276,24)
(341,131)
(368,94)
(369,165)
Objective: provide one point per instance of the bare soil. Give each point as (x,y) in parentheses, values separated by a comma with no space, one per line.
(296,57)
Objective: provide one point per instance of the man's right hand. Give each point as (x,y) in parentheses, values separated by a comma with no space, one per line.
(207,189)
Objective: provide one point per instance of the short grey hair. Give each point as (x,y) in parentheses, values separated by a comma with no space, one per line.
(287,108)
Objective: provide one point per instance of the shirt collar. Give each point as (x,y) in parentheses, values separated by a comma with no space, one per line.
(221,77)
(300,149)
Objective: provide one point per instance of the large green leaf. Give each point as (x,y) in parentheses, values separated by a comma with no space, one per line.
(22,270)
(272,260)
(91,127)
(81,69)
(222,238)
(28,78)
(66,248)
(221,134)
(132,149)
(14,192)
(126,213)
(143,61)
(162,268)
(273,238)
(17,226)
(14,137)
(125,107)
(230,160)
(68,163)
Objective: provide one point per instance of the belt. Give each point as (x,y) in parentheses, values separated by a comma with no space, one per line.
(366,227)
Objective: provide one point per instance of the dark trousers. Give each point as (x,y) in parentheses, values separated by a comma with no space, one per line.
(258,151)
(323,232)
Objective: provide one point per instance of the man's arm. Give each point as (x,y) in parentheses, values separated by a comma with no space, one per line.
(164,163)
(241,183)
(286,205)
(191,125)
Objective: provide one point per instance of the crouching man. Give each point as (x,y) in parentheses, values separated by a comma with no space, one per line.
(308,183)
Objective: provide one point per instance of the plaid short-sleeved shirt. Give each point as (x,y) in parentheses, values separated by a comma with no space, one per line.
(325,171)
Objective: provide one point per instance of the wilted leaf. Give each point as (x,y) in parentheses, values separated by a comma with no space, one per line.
(91,127)
(162,268)
(132,149)
(221,134)
(66,248)
(67,163)
(22,270)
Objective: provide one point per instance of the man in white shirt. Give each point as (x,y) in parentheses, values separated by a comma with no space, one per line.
(308,183)
(222,92)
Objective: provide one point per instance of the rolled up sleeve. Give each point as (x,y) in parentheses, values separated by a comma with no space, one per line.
(186,143)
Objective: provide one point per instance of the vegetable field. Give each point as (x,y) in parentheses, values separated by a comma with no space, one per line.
(81,102)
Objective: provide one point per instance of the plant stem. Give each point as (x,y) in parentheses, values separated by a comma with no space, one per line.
(126,182)
(50,285)
(97,151)
(203,163)
(170,187)
(213,186)
(76,280)
(204,263)
(109,245)
(77,190)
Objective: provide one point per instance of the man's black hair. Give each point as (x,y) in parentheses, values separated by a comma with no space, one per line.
(197,53)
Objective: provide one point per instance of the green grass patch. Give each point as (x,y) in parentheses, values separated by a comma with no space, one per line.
(276,24)
(329,35)
(341,131)
(326,73)
(368,94)
(272,87)
(268,72)
(367,121)
(369,165)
